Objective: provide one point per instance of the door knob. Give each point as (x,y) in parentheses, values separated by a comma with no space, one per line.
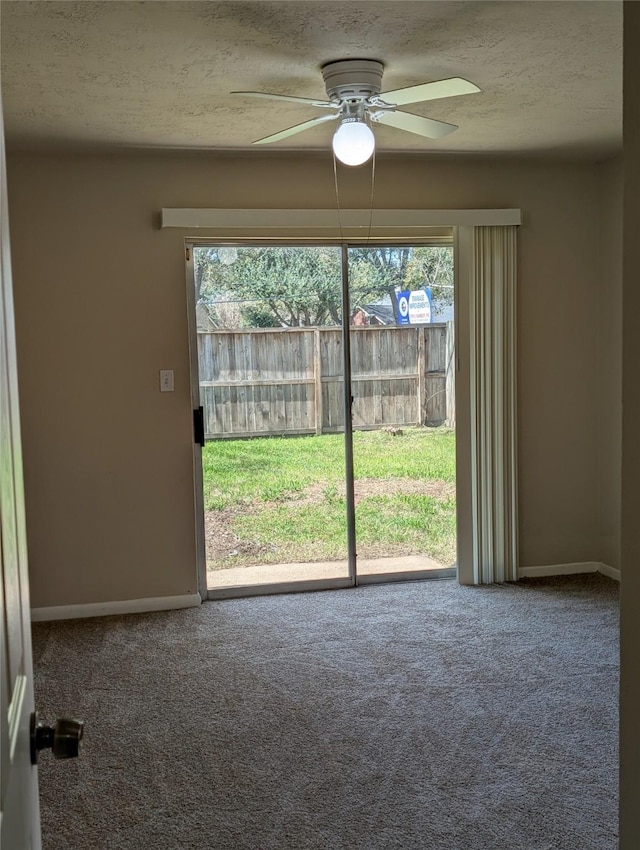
(63,739)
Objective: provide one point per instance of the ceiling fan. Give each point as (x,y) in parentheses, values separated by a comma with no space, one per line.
(353,88)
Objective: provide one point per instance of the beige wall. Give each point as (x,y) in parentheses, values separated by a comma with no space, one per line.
(100,300)
(609,344)
(630,538)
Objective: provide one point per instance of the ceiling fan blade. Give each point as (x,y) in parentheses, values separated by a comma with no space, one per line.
(429,91)
(298,128)
(414,124)
(323,104)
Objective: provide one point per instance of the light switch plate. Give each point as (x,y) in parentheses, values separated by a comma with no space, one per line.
(166,380)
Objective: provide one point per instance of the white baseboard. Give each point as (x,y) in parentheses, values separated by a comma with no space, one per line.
(105,609)
(570,569)
(611,572)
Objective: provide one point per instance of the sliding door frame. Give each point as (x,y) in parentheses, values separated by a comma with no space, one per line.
(194,382)
(338,582)
(352,579)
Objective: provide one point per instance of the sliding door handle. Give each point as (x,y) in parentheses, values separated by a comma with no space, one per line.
(198,426)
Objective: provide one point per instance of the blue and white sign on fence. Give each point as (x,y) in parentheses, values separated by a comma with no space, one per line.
(415,308)
(403,308)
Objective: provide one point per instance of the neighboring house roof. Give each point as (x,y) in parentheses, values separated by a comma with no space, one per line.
(382,312)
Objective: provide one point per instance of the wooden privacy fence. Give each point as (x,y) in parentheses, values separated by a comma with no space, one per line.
(290,381)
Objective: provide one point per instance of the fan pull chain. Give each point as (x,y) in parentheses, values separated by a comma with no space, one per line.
(335,183)
(373,180)
(371,196)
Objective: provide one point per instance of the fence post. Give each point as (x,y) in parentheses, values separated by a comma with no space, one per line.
(421,368)
(450,366)
(317,374)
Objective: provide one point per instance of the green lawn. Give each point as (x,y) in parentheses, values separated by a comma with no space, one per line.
(282,499)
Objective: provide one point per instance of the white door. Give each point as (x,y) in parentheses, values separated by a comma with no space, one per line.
(19,814)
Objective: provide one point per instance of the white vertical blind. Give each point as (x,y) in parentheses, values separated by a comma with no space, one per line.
(493,405)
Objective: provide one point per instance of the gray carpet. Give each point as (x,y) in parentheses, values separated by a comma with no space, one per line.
(423,715)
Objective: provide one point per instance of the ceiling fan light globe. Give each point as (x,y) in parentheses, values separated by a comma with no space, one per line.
(353,143)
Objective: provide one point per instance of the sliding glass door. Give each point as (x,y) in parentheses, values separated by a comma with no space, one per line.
(269,345)
(402,383)
(323,382)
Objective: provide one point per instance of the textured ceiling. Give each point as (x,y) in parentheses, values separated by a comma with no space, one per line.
(159,73)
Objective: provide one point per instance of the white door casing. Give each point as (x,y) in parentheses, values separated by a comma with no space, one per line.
(19,812)
(476,509)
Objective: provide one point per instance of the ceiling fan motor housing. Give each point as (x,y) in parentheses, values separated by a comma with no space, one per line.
(352,79)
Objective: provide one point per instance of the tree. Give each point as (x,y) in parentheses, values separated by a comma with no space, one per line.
(295,286)
(432,267)
(377,272)
(285,287)
(204,260)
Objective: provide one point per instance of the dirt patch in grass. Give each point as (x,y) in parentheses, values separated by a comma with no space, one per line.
(223,545)
(221,542)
